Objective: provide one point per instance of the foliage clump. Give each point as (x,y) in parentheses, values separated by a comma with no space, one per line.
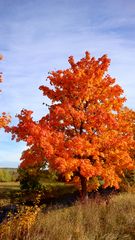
(29,179)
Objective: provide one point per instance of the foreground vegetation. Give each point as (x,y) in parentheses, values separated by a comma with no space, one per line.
(48,215)
(93,220)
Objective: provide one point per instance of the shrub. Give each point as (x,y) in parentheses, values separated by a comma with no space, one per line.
(29,179)
(128,182)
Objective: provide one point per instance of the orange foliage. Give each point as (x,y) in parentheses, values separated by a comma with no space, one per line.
(4,120)
(130,115)
(86,132)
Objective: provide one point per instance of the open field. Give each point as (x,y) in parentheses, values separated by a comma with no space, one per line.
(4,186)
(10,192)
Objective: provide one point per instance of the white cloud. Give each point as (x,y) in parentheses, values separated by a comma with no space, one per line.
(39,37)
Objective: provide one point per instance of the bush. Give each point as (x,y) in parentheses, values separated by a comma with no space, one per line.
(128,182)
(29,179)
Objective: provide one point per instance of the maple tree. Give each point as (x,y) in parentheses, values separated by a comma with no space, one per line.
(4,119)
(86,135)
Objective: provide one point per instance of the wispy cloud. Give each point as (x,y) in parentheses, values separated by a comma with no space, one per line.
(38,36)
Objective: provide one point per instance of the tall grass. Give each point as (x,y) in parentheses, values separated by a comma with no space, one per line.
(91,220)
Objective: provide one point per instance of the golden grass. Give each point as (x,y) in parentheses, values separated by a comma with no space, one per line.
(91,220)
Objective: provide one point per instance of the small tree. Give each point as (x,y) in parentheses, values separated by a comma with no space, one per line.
(85,136)
(29,178)
(30,169)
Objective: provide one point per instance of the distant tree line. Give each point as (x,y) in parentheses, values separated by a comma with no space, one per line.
(8,175)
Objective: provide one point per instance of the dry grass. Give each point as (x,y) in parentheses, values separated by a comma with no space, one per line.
(92,220)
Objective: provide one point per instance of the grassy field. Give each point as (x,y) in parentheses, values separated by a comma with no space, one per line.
(4,186)
(95,219)
(10,192)
(90,220)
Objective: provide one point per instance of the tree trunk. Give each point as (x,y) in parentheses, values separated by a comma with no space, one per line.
(84,193)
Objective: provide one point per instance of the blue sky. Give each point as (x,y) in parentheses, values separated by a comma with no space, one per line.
(37,36)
